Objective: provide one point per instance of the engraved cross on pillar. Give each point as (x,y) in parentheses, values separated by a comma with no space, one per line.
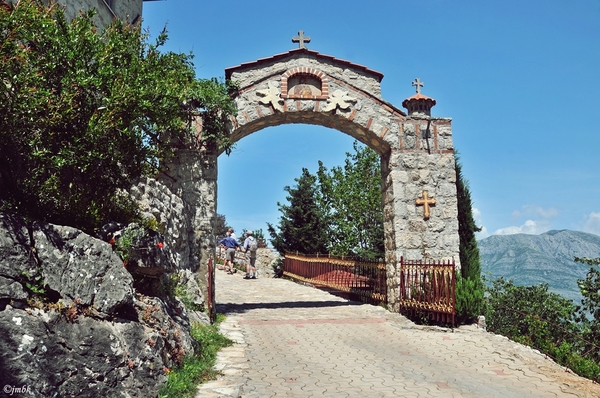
(419,84)
(425,201)
(301,39)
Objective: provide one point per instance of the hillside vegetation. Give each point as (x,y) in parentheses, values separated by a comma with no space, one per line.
(544,291)
(533,259)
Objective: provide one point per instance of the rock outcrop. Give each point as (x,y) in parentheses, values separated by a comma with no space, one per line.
(72,321)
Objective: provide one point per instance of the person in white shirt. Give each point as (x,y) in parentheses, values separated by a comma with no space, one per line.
(251,244)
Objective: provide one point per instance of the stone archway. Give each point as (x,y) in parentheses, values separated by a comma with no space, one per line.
(303,86)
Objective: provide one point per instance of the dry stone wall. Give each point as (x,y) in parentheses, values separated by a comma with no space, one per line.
(192,177)
(266,263)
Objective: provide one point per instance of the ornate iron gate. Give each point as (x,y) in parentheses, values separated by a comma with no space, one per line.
(428,288)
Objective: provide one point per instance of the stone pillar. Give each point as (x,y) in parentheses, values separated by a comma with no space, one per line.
(407,173)
(389,220)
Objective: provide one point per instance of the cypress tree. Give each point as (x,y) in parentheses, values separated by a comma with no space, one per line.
(302,225)
(469,286)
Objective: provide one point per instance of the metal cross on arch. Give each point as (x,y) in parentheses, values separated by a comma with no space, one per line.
(301,39)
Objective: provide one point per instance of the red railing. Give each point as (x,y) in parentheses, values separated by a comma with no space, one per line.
(428,288)
(211,291)
(354,279)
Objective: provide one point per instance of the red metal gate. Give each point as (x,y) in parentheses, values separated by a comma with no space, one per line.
(428,288)
(352,278)
(211,291)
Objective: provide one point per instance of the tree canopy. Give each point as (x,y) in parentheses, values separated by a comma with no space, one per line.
(341,208)
(84,112)
(351,198)
(469,285)
(302,226)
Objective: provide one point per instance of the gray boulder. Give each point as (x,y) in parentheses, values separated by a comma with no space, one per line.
(71,321)
(88,357)
(17,260)
(81,268)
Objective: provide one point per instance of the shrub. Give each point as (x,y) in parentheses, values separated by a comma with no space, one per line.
(83,113)
(196,369)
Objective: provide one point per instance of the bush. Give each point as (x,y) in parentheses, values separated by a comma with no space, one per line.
(183,380)
(84,113)
(533,316)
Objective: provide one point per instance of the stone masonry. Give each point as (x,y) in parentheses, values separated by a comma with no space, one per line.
(106,10)
(303,86)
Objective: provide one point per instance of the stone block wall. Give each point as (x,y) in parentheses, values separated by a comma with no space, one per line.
(106,10)
(191,176)
(158,202)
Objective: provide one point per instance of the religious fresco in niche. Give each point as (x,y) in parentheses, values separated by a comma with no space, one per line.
(304,86)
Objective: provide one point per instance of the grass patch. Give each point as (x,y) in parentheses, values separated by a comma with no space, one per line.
(196,369)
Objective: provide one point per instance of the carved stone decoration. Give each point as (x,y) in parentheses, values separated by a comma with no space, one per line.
(271,96)
(339,99)
(425,201)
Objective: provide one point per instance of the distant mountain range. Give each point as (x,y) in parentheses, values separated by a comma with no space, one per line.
(534,259)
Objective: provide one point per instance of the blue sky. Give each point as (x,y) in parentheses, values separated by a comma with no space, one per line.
(520,80)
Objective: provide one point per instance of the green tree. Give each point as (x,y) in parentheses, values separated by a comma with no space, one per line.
(351,197)
(83,113)
(529,314)
(469,286)
(590,309)
(302,225)
(546,321)
(221,227)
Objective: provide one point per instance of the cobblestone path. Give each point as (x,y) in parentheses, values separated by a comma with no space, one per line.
(297,341)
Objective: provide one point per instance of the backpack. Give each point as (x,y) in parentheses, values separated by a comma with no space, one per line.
(253,244)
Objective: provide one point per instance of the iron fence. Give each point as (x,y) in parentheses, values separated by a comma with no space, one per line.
(428,289)
(211,291)
(355,279)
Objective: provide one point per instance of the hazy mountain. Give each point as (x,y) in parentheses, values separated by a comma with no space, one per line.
(534,259)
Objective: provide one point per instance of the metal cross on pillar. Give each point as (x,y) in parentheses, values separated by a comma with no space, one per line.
(301,39)
(425,201)
(419,84)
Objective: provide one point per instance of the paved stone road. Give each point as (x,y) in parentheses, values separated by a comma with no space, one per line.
(297,341)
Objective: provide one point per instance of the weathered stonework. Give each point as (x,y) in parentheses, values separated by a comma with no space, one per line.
(192,177)
(106,10)
(303,86)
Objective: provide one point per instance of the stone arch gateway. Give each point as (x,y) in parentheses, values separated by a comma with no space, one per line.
(304,86)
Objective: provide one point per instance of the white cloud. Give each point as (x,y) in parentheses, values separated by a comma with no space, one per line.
(538,221)
(477,217)
(535,211)
(529,227)
(592,223)
(482,234)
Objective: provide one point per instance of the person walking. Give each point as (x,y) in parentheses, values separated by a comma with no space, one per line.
(231,234)
(251,244)
(231,246)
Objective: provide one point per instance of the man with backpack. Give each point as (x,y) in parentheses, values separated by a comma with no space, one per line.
(251,244)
